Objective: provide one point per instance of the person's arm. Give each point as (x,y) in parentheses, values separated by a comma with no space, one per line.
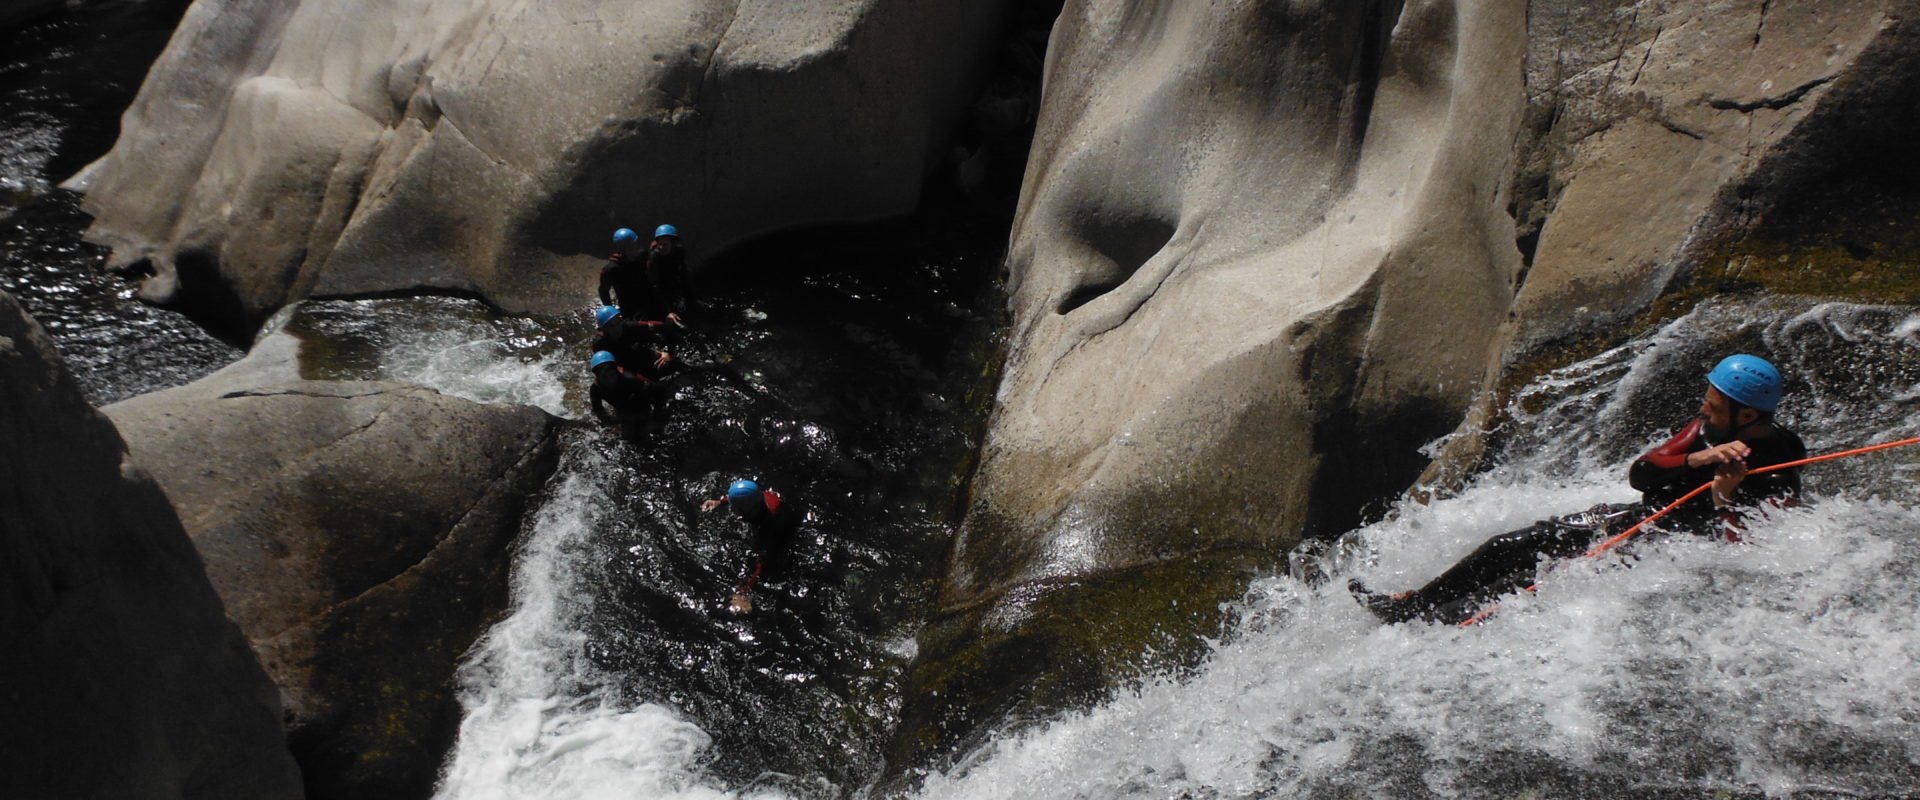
(1663,465)
(714,503)
(606,280)
(595,398)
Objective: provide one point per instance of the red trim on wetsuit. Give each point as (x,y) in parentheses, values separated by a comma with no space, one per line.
(1673,454)
(772,500)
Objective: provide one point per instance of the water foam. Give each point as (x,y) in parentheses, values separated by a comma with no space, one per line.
(1780,666)
(540,720)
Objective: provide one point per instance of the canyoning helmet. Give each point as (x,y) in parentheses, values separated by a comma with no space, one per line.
(625,236)
(602,357)
(604,316)
(744,492)
(666,230)
(1747,380)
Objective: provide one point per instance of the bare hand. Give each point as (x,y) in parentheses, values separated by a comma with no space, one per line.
(711,505)
(674,317)
(664,359)
(1726,479)
(1735,451)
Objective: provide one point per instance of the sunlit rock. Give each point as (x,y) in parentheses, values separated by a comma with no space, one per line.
(359,534)
(283,148)
(1265,253)
(120,675)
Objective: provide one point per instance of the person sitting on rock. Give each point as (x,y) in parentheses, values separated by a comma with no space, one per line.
(671,292)
(629,394)
(633,343)
(773,521)
(1735,432)
(623,281)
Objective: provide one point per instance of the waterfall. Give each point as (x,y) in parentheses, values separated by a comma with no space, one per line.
(1777,667)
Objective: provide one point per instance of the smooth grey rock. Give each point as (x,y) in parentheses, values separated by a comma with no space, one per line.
(120,675)
(283,148)
(1265,253)
(359,533)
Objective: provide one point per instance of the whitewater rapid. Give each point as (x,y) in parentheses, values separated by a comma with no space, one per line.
(1781,666)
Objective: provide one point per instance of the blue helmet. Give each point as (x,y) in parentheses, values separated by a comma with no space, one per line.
(604,316)
(1747,380)
(743,491)
(625,236)
(602,357)
(666,230)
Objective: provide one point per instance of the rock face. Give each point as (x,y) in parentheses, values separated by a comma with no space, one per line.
(359,534)
(1264,254)
(120,677)
(282,148)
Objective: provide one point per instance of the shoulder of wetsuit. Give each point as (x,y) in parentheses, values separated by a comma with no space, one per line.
(1671,454)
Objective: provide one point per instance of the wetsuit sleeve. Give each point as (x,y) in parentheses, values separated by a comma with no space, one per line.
(1778,449)
(606,281)
(596,398)
(1663,466)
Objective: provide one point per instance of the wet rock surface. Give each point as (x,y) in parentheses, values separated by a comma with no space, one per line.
(359,533)
(122,675)
(1264,256)
(284,148)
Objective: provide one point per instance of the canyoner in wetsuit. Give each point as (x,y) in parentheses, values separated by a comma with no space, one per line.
(647,282)
(623,281)
(773,519)
(636,345)
(1735,432)
(630,394)
(670,291)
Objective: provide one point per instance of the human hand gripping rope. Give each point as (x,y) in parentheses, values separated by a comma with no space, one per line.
(1623,536)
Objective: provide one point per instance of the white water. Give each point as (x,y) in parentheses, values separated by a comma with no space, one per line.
(541,721)
(476,363)
(1787,664)
(1782,665)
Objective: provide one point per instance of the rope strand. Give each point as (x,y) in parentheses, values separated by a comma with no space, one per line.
(1616,540)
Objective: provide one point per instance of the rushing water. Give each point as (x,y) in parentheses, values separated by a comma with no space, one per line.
(1781,667)
(62,84)
(857,392)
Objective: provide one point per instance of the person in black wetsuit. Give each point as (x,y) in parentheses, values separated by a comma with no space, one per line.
(635,344)
(773,520)
(670,292)
(623,281)
(628,393)
(1734,432)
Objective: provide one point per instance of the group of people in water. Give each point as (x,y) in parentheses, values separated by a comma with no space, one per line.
(645,298)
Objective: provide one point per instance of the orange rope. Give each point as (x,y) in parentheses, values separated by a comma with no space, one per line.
(1615,541)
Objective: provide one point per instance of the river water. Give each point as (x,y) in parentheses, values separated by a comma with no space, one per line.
(1781,667)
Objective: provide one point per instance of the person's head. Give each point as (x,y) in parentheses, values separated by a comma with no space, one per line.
(744,497)
(625,238)
(1741,390)
(666,232)
(606,315)
(602,364)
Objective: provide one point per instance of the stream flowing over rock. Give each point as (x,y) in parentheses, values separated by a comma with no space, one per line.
(283,148)
(122,676)
(359,533)
(1266,253)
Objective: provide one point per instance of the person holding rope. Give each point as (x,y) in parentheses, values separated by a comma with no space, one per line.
(1734,433)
